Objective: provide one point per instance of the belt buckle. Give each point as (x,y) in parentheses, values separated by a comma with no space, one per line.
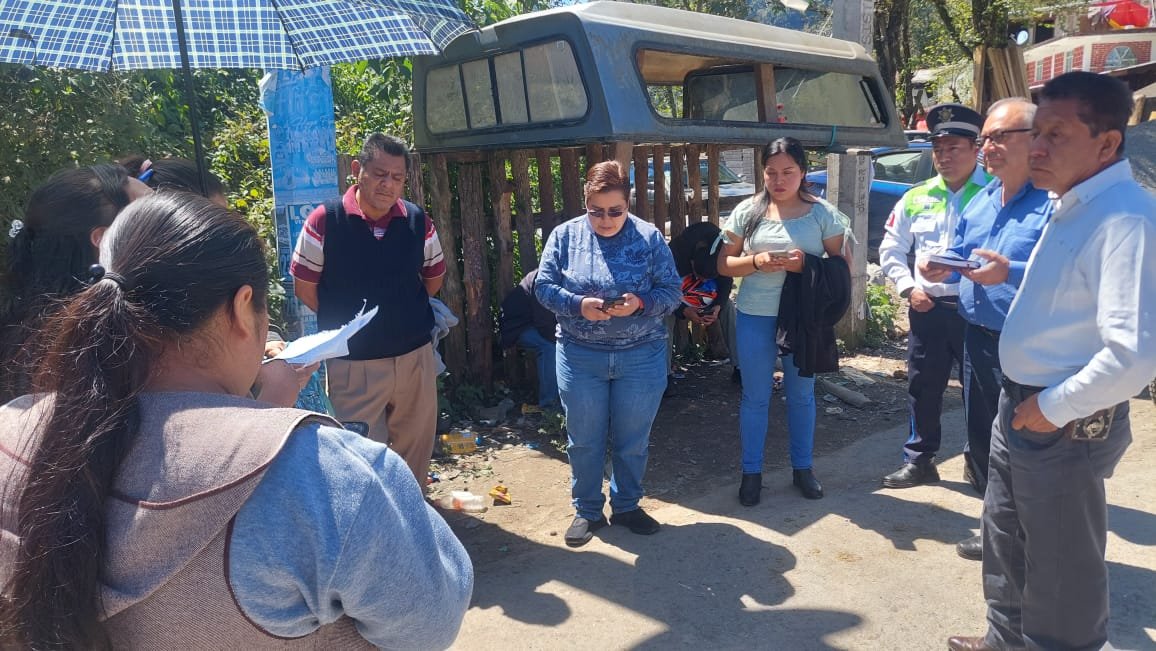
(1092,429)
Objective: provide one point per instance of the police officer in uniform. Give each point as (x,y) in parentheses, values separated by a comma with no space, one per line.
(1076,345)
(924,221)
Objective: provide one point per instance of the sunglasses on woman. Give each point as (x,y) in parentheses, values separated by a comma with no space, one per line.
(599,213)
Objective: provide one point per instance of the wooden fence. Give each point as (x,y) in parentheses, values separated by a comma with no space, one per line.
(484,204)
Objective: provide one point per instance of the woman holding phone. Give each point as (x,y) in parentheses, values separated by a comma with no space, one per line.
(610,278)
(767,237)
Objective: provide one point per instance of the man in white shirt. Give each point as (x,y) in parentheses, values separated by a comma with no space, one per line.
(924,221)
(1077,344)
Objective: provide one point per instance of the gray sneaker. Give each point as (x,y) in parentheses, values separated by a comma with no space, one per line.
(582,530)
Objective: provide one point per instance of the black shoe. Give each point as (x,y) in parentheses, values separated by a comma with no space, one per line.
(582,530)
(805,481)
(750,488)
(972,477)
(968,644)
(971,549)
(912,474)
(637,521)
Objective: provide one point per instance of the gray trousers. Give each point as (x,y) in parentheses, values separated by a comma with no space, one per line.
(1045,522)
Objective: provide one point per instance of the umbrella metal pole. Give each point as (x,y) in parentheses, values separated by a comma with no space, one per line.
(191,99)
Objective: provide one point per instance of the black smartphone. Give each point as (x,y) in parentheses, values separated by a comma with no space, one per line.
(705,311)
(608,303)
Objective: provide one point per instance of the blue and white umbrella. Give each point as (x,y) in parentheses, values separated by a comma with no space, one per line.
(107,35)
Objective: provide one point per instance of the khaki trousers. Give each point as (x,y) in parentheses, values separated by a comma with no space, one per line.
(396,397)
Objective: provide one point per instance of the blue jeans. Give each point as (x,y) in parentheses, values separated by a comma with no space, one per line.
(755,339)
(610,397)
(533,340)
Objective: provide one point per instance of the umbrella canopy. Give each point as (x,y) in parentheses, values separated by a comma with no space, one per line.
(105,35)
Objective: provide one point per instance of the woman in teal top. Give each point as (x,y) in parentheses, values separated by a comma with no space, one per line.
(767,238)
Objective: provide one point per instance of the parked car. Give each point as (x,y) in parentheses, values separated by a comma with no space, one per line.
(895,171)
(732,187)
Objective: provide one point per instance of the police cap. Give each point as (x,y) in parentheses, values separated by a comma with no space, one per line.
(954,120)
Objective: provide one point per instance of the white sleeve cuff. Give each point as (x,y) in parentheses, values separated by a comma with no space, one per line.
(1057,410)
(903,284)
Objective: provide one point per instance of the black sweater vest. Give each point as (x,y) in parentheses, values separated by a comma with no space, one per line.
(385,273)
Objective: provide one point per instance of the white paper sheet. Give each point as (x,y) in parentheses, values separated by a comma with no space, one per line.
(321,346)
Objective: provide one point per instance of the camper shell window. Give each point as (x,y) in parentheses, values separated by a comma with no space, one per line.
(535,84)
(696,87)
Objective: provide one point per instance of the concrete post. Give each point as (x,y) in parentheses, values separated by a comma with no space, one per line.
(848,188)
(849,176)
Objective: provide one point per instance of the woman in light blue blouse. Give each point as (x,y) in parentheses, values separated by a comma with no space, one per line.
(767,238)
(610,278)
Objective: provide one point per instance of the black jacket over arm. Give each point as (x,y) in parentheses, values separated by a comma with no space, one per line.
(811,304)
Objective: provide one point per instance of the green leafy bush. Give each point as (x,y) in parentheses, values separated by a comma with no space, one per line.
(881,311)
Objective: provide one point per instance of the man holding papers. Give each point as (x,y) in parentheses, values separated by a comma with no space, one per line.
(373,249)
(924,220)
(996,233)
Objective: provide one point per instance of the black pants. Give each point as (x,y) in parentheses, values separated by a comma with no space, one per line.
(934,347)
(981,380)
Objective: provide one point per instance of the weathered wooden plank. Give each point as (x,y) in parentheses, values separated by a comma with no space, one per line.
(694,184)
(572,181)
(501,198)
(344,171)
(620,151)
(594,155)
(416,182)
(660,204)
(467,156)
(677,190)
(524,217)
(765,93)
(546,192)
(452,292)
(712,198)
(758,172)
(479,333)
(641,200)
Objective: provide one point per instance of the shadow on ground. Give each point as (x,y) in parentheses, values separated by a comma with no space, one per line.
(694,579)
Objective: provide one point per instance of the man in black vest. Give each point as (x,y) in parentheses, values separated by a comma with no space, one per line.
(373,247)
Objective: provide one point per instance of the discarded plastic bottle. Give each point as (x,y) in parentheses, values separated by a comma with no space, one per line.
(464,501)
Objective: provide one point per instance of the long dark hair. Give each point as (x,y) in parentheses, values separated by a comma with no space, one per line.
(175,259)
(173,174)
(48,259)
(762,200)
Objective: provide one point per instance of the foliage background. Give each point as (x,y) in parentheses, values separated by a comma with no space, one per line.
(56,118)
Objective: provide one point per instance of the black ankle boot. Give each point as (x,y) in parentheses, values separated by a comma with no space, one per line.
(806,482)
(750,488)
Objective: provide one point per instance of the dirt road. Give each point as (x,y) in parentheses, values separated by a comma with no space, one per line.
(865,568)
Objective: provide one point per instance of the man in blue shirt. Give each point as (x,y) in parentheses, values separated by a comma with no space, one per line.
(1000,227)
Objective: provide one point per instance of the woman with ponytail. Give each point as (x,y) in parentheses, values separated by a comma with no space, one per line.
(148,503)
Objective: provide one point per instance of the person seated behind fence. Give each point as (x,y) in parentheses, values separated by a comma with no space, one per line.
(169,505)
(175,174)
(610,278)
(704,292)
(49,252)
(526,323)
